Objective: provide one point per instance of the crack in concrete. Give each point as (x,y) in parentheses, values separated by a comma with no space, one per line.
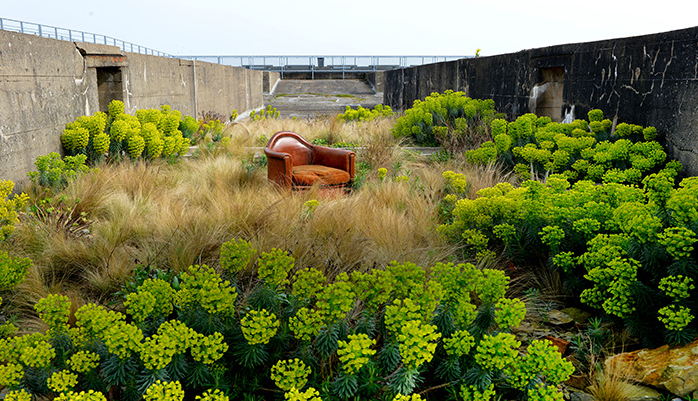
(666,66)
(624,86)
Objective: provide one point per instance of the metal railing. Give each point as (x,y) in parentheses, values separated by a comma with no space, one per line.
(313,64)
(282,64)
(72,35)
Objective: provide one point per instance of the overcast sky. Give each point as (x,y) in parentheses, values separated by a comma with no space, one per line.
(359,27)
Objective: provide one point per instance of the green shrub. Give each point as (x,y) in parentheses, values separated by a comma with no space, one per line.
(534,147)
(12,270)
(363,114)
(450,119)
(151,133)
(55,173)
(626,250)
(264,114)
(188,126)
(371,335)
(9,208)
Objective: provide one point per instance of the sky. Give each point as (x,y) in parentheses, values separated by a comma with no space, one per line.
(358,27)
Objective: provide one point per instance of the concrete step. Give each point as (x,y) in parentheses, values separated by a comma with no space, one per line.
(321,97)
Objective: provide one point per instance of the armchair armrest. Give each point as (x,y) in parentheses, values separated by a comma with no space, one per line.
(279,167)
(338,158)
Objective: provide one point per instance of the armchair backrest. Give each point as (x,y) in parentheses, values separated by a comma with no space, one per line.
(301,151)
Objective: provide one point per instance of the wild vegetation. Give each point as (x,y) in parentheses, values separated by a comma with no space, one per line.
(363,114)
(612,218)
(164,278)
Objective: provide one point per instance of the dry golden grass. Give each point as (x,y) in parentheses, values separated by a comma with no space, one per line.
(329,129)
(611,384)
(171,216)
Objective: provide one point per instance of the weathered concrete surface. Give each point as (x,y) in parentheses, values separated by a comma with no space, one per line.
(646,80)
(152,81)
(376,80)
(269,81)
(43,84)
(46,83)
(193,87)
(321,97)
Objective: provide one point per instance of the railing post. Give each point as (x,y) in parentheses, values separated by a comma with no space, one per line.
(1,24)
(40,30)
(21,26)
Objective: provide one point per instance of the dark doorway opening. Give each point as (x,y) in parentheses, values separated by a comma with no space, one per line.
(109,86)
(547,94)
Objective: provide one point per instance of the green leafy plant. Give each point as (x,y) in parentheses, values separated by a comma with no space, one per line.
(209,130)
(54,172)
(625,249)
(268,113)
(150,133)
(12,270)
(10,208)
(382,333)
(534,147)
(451,120)
(363,114)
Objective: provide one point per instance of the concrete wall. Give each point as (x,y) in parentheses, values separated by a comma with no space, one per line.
(269,81)
(646,80)
(193,87)
(376,80)
(37,98)
(46,83)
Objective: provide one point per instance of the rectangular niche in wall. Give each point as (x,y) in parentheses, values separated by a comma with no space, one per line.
(109,86)
(546,95)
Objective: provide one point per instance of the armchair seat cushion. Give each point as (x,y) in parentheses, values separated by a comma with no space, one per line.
(309,174)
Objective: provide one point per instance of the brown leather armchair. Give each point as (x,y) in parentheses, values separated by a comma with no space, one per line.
(293,162)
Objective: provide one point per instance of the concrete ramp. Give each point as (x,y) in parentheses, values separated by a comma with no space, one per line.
(321,97)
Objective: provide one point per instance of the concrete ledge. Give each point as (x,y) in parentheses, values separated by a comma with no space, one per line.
(95,49)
